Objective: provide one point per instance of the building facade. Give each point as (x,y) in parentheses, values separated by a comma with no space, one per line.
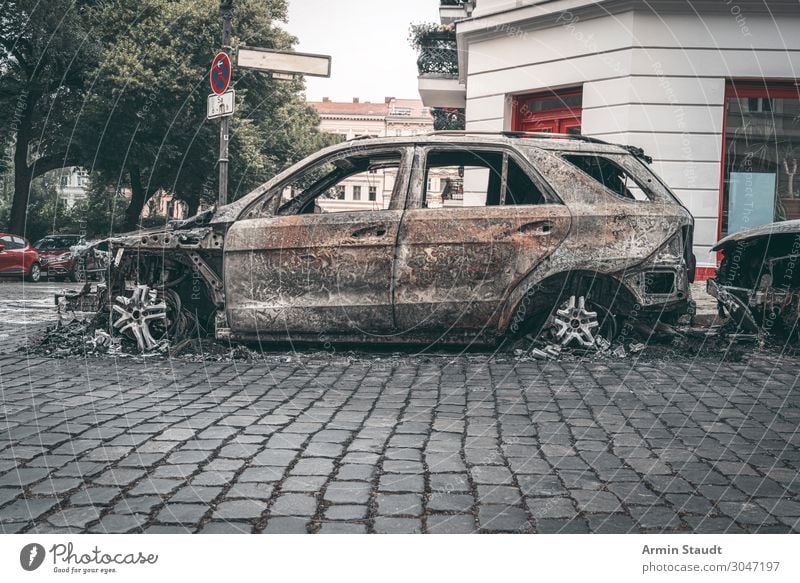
(71,185)
(709,89)
(394,117)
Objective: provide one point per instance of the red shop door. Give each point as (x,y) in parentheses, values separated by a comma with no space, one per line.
(551,112)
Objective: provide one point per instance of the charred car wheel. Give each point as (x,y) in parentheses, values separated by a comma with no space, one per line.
(578,322)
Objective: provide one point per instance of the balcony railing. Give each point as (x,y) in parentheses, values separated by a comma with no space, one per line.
(438,52)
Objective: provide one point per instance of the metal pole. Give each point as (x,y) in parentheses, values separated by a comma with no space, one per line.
(226,11)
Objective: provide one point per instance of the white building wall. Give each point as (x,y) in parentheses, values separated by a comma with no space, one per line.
(653,81)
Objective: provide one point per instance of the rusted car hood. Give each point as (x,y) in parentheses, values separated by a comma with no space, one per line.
(769,230)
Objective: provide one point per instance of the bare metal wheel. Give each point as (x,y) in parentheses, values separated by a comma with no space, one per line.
(578,322)
(142,317)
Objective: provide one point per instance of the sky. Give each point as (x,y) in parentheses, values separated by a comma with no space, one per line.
(368,42)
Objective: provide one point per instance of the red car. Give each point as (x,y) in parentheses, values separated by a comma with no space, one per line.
(17,257)
(57,257)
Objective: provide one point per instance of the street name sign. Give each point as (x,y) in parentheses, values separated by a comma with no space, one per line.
(285,62)
(221,105)
(220,76)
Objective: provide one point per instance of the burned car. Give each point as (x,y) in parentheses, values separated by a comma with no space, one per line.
(758,281)
(561,236)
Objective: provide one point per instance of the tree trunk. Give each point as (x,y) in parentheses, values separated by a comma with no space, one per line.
(22,184)
(192,205)
(138,200)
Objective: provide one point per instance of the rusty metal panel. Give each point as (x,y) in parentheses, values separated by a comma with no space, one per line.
(455,265)
(311,273)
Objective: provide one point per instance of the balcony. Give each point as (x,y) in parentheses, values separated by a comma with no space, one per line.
(453,10)
(438,66)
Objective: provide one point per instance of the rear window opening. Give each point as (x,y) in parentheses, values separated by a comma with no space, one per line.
(609,174)
(477,179)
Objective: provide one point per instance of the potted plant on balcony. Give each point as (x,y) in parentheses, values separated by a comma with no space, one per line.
(437,49)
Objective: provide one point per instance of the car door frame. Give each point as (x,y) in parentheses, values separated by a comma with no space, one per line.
(484,323)
(302,318)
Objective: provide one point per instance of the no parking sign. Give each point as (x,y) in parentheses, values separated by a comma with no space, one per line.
(220,73)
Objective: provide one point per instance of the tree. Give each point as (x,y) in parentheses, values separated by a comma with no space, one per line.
(150,100)
(45,51)
(120,88)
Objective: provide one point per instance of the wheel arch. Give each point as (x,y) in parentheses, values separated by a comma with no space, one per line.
(531,298)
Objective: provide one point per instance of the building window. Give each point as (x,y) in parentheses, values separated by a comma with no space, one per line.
(356,193)
(340,191)
(762,155)
(552,112)
(373,193)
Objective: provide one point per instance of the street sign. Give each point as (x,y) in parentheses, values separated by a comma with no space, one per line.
(221,105)
(290,63)
(220,73)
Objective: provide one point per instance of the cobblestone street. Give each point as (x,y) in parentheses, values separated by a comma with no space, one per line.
(438,444)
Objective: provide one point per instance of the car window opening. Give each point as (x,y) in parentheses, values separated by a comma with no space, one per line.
(477,179)
(345,184)
(609,174)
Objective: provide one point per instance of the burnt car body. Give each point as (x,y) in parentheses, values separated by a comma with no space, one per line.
(758,281)
(563,233)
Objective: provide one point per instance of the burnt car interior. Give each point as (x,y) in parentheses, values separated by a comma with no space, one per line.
(609,174)
(321,180)
(495,174)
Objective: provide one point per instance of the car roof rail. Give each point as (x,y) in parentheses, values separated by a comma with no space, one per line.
(517,134)
(634,150)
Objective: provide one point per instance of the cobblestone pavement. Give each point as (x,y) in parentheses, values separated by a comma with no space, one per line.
(439,444)
(26,309)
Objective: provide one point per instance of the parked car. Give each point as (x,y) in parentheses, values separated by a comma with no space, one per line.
(18,258)
(70,257)
(758,283)
(57,258)
(564,236)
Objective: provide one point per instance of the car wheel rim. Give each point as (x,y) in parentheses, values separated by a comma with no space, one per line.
(142,317)
(35,272)
(577,323)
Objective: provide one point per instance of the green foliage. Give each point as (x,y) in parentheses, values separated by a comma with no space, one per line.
(420,36)
(151,98)
(47,214)
(124,90)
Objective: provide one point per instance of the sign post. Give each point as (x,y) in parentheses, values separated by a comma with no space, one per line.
(222,101)
(226,11)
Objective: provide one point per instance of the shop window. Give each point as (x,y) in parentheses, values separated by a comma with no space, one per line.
(762,155)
